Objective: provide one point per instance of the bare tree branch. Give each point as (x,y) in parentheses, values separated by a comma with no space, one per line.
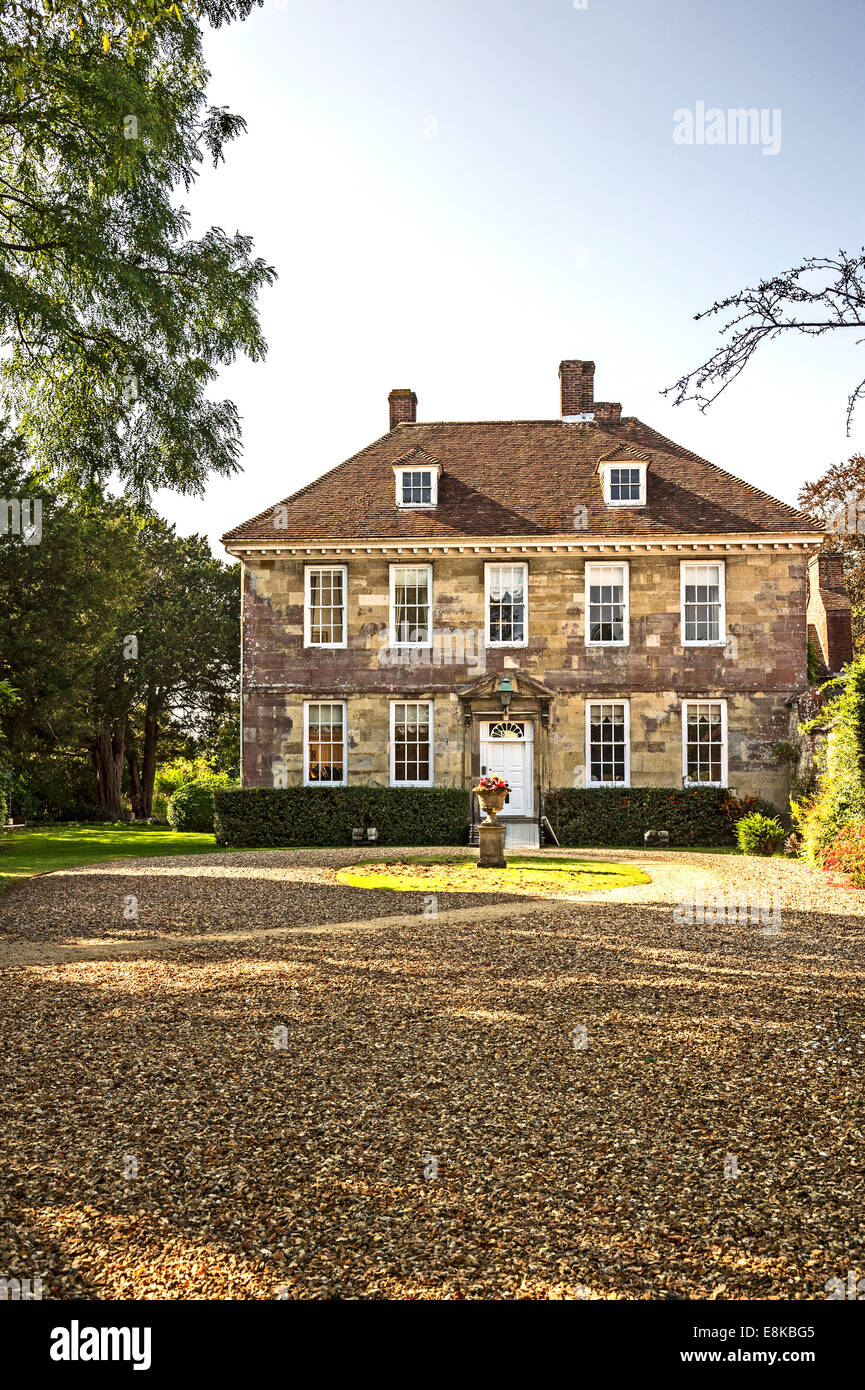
(835,286)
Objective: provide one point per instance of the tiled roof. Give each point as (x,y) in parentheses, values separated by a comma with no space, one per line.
(626,453)
(522,478)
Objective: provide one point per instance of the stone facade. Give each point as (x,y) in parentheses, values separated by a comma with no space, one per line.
(594,486)
(762,662)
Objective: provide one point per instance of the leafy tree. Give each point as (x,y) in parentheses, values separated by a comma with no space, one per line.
(220,739)
(187,621)
(190,750)
(9,698)
(58,604)
(113,319)
(110,628)
(821,295)
(837,501)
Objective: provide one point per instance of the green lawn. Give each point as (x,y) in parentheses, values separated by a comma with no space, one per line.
(24,853)
(524,874)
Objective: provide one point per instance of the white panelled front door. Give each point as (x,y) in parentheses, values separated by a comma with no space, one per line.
(507,749)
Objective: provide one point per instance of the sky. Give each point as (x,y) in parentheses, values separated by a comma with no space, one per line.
(457,194)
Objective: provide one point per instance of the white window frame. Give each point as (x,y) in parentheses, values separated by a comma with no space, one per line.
(684,567)
(725,771)
(627,706)
(407,565)
(307,608)
(434,487)
(640,467)
(514,565)
(307,704)
(412,700)
(591,567)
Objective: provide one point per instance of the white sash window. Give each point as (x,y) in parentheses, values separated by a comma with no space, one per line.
(704,619)
(324,762)
(324,623)
(607,623)
(411,743)
(608,743)
(704,743)
(411,605)
(507,605)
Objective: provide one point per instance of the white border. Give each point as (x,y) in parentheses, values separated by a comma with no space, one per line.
(684,566)
(606,564)
(725,771)
(409,565)
(514,565)
(616,701)
(307,608)
(323,700)
(624,463)
(412,700)
(434,492)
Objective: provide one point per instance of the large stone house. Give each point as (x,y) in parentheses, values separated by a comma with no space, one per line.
(568,602)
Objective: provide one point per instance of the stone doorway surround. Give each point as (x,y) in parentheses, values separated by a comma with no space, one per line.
(480,703)
(508,749)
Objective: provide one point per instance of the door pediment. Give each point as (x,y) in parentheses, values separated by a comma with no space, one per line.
(486,687)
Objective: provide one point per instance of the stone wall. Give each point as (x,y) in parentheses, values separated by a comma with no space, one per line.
(830,617)
(764,661)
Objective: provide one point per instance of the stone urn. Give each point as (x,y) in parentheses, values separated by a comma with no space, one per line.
(492,800)
(492,793)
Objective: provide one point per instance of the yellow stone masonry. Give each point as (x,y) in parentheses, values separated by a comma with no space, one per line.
(762,662)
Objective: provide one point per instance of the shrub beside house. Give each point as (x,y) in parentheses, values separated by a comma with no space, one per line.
(831,820)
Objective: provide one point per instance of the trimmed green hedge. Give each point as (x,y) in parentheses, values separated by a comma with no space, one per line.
(617,816)
(255,816)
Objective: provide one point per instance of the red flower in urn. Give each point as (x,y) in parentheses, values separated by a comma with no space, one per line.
(491,793)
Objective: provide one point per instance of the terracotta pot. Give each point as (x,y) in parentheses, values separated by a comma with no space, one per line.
(492,802)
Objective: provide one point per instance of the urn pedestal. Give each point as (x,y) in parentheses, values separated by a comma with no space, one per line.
(491,839)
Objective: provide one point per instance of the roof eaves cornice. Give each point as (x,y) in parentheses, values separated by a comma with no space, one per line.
(716,543)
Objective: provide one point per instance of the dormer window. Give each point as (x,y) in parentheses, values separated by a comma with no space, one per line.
(623,476)
(416,477)
(416,487)
(625,485)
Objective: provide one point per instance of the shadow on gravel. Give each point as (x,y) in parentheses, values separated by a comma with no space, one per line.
(118,905)
(527,1108)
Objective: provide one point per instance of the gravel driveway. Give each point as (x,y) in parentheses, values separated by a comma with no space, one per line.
(231,892)
(575,1100)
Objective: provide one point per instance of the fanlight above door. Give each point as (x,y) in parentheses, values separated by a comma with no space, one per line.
(507,730)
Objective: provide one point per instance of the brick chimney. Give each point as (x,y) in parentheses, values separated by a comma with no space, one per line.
(578,393)
(403,408)
(578,388)
(829,614)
